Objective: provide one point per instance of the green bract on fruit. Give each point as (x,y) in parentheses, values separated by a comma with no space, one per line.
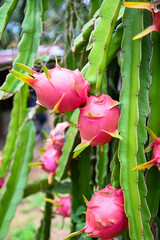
(154,8)
(155,145)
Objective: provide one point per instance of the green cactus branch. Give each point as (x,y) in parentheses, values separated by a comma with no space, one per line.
(98,56)
(5,14)
(28,46)
(17,117)
(128,148)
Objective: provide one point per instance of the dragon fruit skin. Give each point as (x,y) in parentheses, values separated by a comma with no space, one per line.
(64,207)
(98,120)
(57,135)
(59,89)
(2,181)
(50,159)
(105,216)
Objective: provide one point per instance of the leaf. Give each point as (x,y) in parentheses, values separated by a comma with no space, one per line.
(101,165)
(116,167)
(103,34)
(95,4)
(28,46)
(45,4)
(153,191)
(42,185)
(18,177)
(153,177)
(155,87)
(68,146)
(57,2)
(5,14)
(128,121)
(115,44)
(36,186)
(81,40)
(17,116)
(143,105)
(80,148)
(85,174)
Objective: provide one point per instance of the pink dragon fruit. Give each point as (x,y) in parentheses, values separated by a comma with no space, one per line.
(53,150)
(98,122)
(156,153)
(105,216)
(58,89)
(49,161)
(2,180)
(57,135)
(62,206)
(154,8)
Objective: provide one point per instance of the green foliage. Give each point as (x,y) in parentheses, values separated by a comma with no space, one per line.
(17,117)
(128,121)
(112,62)
(5,14)
(18,177)
(143,105)
(101,165)
(26,233)
(98,55)
(67,148)
(28,45)
(153,176)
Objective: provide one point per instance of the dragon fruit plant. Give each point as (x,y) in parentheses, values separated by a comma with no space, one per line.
(98,122)
(53,150)
(105,215)
(62,206)
(112,66)
(155,10)
(57,135)
(59,89)
(2,180)
(155,145)
(49,161)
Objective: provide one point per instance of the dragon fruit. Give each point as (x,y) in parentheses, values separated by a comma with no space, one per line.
(59,89)
(57,135)
(53,150)
(155,144)
(62,206)
(98,122)
(2,180)
(154,8)
(49,160)
(105,216)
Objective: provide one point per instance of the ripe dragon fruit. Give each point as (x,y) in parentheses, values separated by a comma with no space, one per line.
(154,8)
(59,89)
(2,180)
(155,144)
(98,122)
(57,135)
(105,216)
(62,206)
